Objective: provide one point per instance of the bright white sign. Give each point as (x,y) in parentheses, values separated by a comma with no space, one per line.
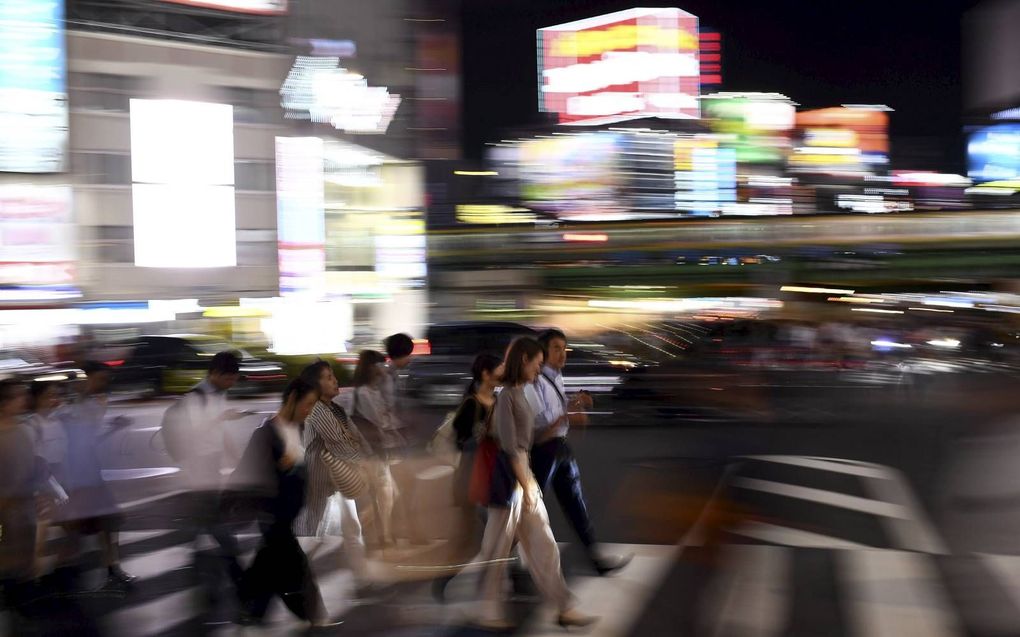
(320,90)
(258,7)
(182,169)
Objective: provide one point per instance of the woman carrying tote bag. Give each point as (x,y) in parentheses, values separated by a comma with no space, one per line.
(336,454)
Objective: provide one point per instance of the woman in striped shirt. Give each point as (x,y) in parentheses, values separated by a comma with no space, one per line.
(335,452)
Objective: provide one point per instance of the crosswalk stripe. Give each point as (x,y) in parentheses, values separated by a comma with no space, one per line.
(914,532)
(1007,569)
(754,595)
(865,470)
(617,600)
(792,537)
(830,498)
(154,616)
(895,594)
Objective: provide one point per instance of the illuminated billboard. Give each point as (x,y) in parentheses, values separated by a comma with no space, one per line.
(993,153)
(758,125)
(33,86)
(300,216)
(36,237)
(255,7)
(619,66)
(182,173)
(842,139)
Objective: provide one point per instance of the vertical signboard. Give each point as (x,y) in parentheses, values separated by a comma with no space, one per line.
(300,216)
(619,66)
(33,86)
(36,242)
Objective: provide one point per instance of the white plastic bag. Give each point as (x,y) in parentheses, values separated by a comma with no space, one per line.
(331,516)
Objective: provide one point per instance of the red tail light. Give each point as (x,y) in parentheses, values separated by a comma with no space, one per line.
(422,347)
(116,363)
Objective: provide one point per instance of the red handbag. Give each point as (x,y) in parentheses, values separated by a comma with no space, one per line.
(480,486)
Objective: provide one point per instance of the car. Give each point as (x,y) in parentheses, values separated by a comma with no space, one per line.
(173,364)
(441,373)
(27,367)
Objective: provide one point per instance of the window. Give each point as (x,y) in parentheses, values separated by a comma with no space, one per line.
(101,91)
(258,176)
(102,168)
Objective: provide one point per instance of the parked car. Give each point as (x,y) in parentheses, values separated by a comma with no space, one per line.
(154,365)
(27,367)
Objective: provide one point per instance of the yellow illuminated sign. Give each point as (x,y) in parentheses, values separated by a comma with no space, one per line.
(624,37)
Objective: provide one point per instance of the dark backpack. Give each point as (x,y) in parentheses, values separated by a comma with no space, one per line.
(176,427)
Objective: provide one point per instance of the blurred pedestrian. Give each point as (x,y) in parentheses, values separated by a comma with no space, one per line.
(194,429)
(50,440)
(469,422)
(399,348)
(91,509)
(336,456)
(552,459)
(272,474)
(373,415)
(516,510)
(18,483)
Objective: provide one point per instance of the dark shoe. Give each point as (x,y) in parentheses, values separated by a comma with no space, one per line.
(574,619)
(323,627)
(608,566)
(439,588)
(118,575)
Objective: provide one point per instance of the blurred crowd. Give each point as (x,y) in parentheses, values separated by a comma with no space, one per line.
(323,463)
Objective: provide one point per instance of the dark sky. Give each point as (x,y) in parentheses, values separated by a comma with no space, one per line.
(904,53)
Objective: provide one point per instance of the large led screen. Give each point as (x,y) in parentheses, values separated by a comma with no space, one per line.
(993,153)
(622,65)
(182,172)
(33,86)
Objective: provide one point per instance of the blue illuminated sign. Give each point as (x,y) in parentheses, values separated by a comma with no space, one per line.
(993,153)
(33,86)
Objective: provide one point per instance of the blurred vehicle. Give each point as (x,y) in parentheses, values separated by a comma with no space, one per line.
(154,365)
(440,373)
(28,368)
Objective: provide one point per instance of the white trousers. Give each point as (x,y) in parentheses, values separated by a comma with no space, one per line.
(530,527)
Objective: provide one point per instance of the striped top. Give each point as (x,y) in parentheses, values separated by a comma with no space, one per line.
(327,427)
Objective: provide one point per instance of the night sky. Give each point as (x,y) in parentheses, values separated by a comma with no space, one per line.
(903,53)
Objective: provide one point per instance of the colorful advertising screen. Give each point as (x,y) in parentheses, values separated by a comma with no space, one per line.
(255,7)
(573,176)
(759,125)
(36,238)
(842,139)
(993,153)
(300,216)
(619,66)
(33,86)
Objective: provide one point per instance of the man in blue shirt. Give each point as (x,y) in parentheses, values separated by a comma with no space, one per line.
(552,460)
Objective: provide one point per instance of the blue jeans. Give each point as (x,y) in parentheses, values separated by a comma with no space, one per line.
(553,463)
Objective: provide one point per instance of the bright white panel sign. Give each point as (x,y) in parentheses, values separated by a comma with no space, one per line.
(182,165)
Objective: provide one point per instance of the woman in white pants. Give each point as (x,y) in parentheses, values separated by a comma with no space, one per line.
(521,514)
(335,457)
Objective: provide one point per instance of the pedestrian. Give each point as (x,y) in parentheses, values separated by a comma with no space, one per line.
(515,507)
(91,508)
(399,348)
(205,449)
(374,417)
(18,484)
(272,476)
(552,459)
(336,455)
(50,442)
(469,423)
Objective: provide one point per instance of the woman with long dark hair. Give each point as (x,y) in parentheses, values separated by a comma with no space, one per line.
(516,510)
(272,476)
